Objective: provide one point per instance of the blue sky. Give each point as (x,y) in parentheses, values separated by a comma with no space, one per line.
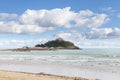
(86,23)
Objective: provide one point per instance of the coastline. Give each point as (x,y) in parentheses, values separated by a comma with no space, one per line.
(15,75)
(38,49)
(61,63)
(61,71)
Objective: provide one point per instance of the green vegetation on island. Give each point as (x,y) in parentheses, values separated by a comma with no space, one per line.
(59,43)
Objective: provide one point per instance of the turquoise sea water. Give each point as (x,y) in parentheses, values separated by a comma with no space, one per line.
(98,60)
(98,56)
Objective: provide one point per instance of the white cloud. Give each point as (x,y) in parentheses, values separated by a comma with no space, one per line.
(97,40)
(115,33)
(88,19)
(7,16)
(70,35)
(48,18)
(12,43)
(109,9)
(38,21)
(18,43)
(99,43)
(14,27)
(103,33)
(97,37)
(96,33)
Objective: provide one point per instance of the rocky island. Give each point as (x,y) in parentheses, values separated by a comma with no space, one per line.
(56,44)
(59,43)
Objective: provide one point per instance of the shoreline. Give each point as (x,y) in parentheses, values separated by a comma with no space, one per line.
(54,62)
(17,75)
(62,71)
(39,49)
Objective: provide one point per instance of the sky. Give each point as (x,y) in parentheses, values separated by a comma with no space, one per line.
(88,24)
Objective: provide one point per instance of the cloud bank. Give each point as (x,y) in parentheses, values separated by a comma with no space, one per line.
(96,38)
(39,21)
(94,33)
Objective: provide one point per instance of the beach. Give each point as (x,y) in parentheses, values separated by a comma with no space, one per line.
(59,40)
(100,64)
(10,75)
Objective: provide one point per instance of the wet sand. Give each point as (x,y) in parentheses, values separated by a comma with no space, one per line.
(12,75)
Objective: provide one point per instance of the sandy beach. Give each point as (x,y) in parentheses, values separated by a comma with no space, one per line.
(12,75)
(58,64)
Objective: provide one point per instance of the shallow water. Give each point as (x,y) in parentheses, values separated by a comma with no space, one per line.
(102,62)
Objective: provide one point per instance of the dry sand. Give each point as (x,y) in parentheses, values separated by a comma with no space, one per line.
(11,75)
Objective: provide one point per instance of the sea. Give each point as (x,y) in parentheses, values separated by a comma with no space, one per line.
(94,63)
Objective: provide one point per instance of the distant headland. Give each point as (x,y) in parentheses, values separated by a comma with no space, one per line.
(56,44)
